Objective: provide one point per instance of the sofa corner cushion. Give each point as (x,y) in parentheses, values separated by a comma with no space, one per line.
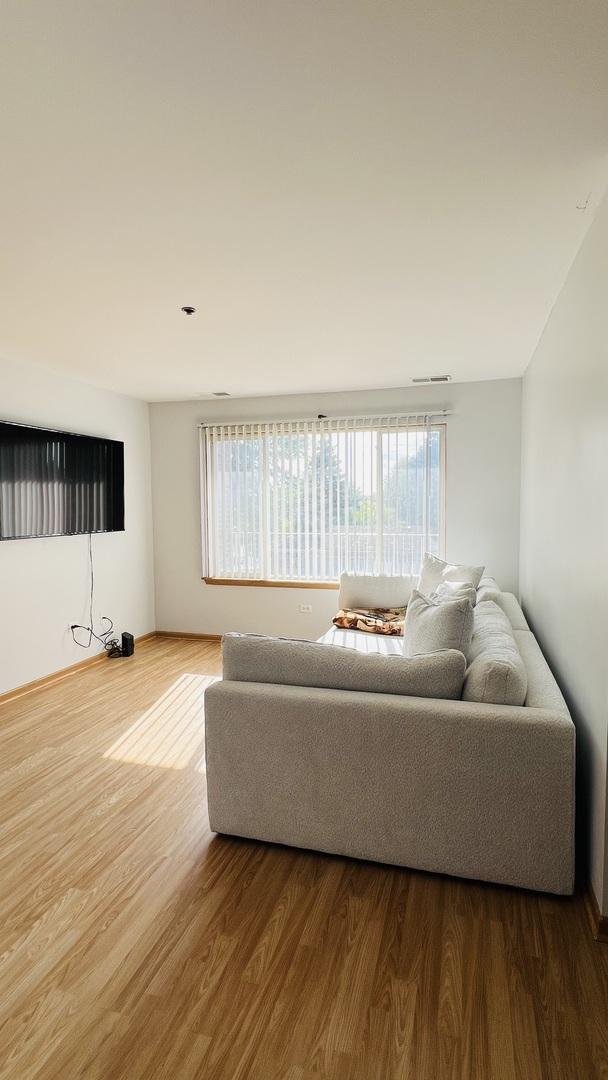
(374,590)
(249,658)
(432,625)
(434,571)
(496,673)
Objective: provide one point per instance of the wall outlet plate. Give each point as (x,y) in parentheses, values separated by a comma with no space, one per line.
(305,609)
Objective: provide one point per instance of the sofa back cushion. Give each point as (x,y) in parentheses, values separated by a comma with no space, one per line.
(489,589)
(496,673)
(488,582)
(374,590)
(455,590)
(512,609)
(432,625)
(249,658)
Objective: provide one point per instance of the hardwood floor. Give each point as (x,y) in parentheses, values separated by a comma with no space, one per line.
(134,944)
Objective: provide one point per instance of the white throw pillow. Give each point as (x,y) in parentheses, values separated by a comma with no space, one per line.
(374,590)
(431,626)
(455,590)
(435,572)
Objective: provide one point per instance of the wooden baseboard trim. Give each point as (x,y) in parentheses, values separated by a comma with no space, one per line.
(63,673)
(598,922)
(188,634)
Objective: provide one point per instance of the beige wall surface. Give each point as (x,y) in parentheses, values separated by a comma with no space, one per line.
(564,531)
(44,582)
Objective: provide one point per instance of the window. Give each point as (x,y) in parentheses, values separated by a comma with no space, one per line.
(306,500)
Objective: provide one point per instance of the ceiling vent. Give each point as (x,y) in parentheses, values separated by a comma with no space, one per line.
(221,393)
(432,379)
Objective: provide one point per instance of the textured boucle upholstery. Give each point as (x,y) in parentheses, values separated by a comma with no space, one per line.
(488,582)
(455,590)
(479,791)
(496,673)
(431,625)
(543,691)
(488,592)
(434,571)
(249,658)
(374,590)
(459,787)
(509,604)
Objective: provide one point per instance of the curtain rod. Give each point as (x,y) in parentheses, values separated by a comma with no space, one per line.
(420,415)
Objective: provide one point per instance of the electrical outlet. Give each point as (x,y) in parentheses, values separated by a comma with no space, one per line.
(305,609)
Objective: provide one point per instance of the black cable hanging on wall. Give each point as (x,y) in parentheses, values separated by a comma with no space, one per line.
(111,645)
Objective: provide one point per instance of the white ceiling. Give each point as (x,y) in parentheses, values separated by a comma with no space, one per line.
(351,193)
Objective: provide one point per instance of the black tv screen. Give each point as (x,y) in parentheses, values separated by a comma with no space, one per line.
(55,483)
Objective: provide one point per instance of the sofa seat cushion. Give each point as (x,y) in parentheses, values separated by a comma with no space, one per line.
(385,645)
(496,673)
(249,658)
(433,625)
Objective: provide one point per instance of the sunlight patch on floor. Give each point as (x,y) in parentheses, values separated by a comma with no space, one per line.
(171,731)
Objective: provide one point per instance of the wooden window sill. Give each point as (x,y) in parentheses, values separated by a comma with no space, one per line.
(256,583)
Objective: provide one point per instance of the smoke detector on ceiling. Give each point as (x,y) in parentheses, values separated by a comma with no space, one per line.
(432,378)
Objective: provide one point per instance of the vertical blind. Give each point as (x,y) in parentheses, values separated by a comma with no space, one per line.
(306,500)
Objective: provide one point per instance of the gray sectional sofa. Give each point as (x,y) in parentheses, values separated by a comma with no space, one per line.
(347,746)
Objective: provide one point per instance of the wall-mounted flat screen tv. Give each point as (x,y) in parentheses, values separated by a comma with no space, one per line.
(55,483)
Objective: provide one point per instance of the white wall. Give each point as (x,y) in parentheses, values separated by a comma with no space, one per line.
(564,537)
(483,462)
(44,583)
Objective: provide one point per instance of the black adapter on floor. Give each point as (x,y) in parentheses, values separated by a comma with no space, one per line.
(128,644)
(126,648)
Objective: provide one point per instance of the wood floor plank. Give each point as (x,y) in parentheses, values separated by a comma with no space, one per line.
(136,945)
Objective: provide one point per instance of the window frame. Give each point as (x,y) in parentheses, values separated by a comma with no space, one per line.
(275,583)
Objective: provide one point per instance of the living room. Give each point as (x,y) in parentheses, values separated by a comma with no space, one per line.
(304,384)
